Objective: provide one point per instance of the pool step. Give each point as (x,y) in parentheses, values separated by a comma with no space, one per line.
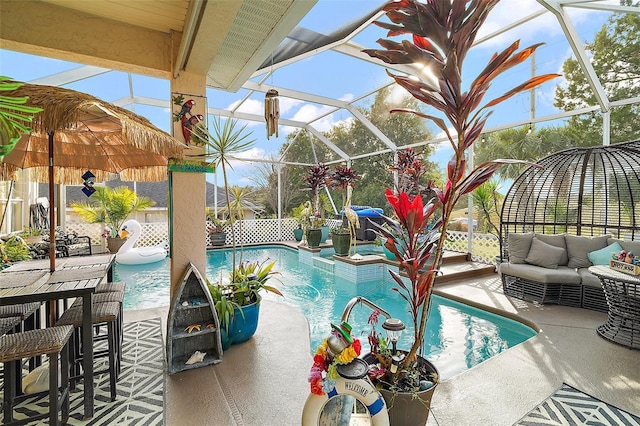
(455,266)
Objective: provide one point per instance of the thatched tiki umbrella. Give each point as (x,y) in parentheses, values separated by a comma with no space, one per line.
(76,133)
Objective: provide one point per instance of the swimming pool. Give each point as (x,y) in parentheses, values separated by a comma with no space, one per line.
(458,336)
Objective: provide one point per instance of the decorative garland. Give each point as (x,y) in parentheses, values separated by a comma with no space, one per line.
(338,348)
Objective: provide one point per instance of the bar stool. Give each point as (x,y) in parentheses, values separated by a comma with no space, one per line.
(111,296)
(102,313)
(52,341)
(29,314)
(118,286)
(9,324)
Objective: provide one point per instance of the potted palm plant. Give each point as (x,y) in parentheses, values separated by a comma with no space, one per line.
(441,35)
(237,297)
(111,207)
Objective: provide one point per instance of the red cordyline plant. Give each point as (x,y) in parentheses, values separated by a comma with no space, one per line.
(342,178)
(316,179)
(410,169)
(442,33)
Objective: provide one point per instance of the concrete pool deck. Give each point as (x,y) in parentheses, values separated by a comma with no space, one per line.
(264,381)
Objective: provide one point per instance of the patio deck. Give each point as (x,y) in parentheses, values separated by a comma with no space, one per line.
(264,381)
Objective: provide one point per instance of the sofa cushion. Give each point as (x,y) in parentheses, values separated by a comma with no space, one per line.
(518,245)
(556,240)
(603,256)
(562,275)
(633,246)
(543,254)
(579,247)
(588,278)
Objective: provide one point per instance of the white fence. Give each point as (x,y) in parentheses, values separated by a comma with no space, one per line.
(484,249)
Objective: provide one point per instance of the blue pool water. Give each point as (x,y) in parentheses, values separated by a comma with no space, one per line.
(458,336)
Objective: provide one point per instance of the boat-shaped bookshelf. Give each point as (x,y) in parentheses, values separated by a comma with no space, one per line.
(193,330)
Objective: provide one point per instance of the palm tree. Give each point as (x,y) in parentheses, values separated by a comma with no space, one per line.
(487,198)
(226,142)
(111,206)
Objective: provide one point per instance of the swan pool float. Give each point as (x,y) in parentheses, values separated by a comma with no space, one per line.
(128,255)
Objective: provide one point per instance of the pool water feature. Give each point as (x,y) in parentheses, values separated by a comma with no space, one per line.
(458,336)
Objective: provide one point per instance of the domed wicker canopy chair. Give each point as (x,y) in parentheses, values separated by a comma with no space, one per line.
(580,191)
(592,192)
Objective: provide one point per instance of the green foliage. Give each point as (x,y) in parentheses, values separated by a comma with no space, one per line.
(28,231)
(14,250)
(243,287)
(111,206)
(488,201)
(615,59)
(15,115)
(222,145)
(527,145)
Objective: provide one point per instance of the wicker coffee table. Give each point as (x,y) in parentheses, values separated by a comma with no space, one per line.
(623,297)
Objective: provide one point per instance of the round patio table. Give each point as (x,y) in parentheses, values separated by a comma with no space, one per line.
(623,298)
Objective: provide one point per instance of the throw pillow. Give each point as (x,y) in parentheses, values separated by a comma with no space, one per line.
(519,245)
(578,248)
(602,256)
(543,254)
(556,240)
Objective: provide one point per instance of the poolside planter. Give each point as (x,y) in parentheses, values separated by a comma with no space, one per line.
(325,234)
(218,238)
(114,244)
(243,325)
(341,243)
(314,236)
(298,233)
(409,408)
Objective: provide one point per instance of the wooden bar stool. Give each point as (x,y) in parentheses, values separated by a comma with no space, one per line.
(102,313)
(52,341)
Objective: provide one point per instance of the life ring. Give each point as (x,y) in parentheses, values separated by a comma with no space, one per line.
(361,389)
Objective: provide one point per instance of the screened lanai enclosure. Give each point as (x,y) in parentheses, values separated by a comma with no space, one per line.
(311,53)
(581,191)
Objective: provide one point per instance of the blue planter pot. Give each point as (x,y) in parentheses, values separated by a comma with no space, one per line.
(244,323)
(325,234)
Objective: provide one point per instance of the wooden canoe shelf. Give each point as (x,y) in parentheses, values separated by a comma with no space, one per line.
(192,325)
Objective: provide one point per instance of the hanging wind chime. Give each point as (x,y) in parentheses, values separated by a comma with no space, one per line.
(272,112)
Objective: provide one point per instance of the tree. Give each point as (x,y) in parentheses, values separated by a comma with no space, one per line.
(265,178)
(488,200)
(522,144)
(402,129)
(616,60)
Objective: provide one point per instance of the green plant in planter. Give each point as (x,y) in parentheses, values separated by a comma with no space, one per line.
(343,179)
(28,231)
(316,180)
(14,250)
(242,288)
(441,35)
(246,279)
(111,207)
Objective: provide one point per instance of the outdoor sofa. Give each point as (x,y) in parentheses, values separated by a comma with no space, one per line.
(554,268)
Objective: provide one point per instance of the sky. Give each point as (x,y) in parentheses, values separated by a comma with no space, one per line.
(338,76)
